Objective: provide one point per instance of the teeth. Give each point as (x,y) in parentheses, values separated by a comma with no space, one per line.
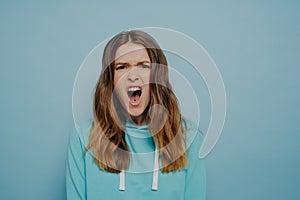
(133,89)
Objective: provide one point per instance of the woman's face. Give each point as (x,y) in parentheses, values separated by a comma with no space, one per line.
(132,77)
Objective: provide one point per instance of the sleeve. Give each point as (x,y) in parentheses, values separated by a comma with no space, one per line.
(195,182)
(75,168)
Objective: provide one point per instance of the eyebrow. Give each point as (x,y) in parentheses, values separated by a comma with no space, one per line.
(125,63)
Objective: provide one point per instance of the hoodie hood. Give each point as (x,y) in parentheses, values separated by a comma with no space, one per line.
(144,156)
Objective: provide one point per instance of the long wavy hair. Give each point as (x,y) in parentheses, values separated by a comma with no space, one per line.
(107,137)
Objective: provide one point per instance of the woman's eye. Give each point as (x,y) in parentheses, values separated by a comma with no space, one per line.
(144,66)
(120,67)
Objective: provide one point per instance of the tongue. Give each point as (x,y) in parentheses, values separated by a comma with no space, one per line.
(134,99)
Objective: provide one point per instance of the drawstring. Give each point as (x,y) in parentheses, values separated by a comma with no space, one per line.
(122,180)
(155,174)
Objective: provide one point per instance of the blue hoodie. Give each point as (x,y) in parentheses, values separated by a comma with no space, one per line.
(143,179)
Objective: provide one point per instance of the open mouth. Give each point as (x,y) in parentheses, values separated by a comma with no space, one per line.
(134,94)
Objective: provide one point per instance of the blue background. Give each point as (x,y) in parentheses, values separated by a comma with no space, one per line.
(255,44)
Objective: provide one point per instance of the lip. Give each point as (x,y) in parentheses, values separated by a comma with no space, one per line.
(133,86)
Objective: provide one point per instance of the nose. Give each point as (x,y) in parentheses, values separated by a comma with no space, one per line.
(133,75)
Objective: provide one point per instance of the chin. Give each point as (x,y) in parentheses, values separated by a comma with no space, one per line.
(135,112)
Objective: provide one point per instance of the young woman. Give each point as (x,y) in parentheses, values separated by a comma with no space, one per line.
(138,146)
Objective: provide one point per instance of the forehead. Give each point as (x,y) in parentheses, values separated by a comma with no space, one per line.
(131,52)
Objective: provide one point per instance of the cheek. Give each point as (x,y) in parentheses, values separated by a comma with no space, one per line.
(119,86)
(146,81)
(116,79)
(146,78)
(147,93)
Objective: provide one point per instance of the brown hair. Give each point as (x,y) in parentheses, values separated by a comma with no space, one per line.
(107,137)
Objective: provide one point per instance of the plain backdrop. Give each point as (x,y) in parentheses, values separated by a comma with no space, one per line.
(255,44)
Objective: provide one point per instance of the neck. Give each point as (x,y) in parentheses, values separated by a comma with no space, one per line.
(137,120)
(141,119)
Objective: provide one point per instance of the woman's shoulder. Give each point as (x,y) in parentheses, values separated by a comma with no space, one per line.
(81,130)
(194,136)
(192,129)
